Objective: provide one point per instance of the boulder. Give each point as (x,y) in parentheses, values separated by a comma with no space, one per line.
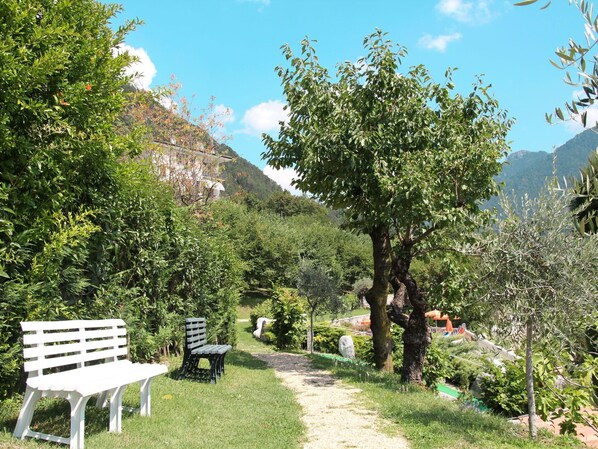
(346,347)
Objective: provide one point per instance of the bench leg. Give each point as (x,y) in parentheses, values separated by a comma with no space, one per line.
(101,401)
(222,356)
(26,413)
(78,403)
(145,399)
(116,402)
(184,366)
(213,368)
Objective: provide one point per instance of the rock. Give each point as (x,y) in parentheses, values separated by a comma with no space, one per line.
(346,347)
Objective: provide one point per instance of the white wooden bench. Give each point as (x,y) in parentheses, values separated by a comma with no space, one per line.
(76,360)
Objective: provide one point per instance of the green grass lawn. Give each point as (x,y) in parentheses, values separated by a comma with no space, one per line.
(247,408)
(356,312)
(429,421)
(247,302)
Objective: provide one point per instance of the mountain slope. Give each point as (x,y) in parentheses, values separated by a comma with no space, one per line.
(528,171)
(240,175)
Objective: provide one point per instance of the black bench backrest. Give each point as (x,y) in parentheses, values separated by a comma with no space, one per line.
(195,333)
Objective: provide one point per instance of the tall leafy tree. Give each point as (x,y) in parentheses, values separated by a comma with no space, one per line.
(405,158)
(536,270)
(61,91)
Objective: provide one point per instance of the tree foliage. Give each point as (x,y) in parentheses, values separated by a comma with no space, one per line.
(272,246)
(536,277)
(584,201)
(405,158)
(320,290)
(83,233)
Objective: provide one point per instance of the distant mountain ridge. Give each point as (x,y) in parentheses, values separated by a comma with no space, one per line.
(527,171)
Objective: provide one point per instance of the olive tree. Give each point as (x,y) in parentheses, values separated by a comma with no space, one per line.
(320,289)
(405,158)
(531,280)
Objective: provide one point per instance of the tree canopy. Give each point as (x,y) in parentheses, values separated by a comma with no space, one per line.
(404,157)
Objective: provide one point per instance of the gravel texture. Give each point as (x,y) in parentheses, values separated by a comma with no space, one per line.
(332,411)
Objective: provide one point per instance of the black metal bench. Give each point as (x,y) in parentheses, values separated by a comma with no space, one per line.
(196,348)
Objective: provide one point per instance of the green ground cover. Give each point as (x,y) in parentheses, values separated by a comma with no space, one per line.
(247,408)
(246,304)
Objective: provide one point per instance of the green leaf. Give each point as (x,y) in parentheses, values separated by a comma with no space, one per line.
(526,2)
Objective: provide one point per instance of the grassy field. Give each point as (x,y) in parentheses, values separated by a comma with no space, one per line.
(247,408)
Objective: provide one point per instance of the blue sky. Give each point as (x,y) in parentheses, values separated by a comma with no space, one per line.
(229,49)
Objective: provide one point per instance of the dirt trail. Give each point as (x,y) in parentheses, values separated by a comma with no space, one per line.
(333,414)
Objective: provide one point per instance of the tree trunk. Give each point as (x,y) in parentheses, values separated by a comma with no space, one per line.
(529,380)
(416,339)
(310,333)
(417,336)
(376,298)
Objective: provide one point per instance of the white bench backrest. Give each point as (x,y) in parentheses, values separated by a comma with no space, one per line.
(52,344)
(195,333)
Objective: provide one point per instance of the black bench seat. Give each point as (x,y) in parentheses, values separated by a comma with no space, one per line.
(196,348)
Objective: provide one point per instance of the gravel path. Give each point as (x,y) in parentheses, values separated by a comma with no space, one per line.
(333,414)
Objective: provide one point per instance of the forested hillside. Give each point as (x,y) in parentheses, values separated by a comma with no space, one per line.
(240,175)
(527,171)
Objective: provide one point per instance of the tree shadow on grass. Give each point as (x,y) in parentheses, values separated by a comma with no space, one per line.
(245,360)
(52,416)
(233,358)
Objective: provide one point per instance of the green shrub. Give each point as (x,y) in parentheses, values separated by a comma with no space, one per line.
(263,309)
(463,373)
(503,389)
(364,349)
(326,337)
(466,360)
(268,337)
(436,365)
(288,310)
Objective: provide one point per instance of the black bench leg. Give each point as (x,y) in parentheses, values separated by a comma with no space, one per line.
(213,369)
(221,364)
(184,366)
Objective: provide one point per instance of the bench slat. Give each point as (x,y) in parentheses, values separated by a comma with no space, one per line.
(55,337)
(94,345)
(96,379)
(53,362)
(74,324)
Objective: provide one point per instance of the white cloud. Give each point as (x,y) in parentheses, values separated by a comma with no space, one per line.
(438,43)
(264,117)
(224,114)
(282,177)
(474,11)
(142,70)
